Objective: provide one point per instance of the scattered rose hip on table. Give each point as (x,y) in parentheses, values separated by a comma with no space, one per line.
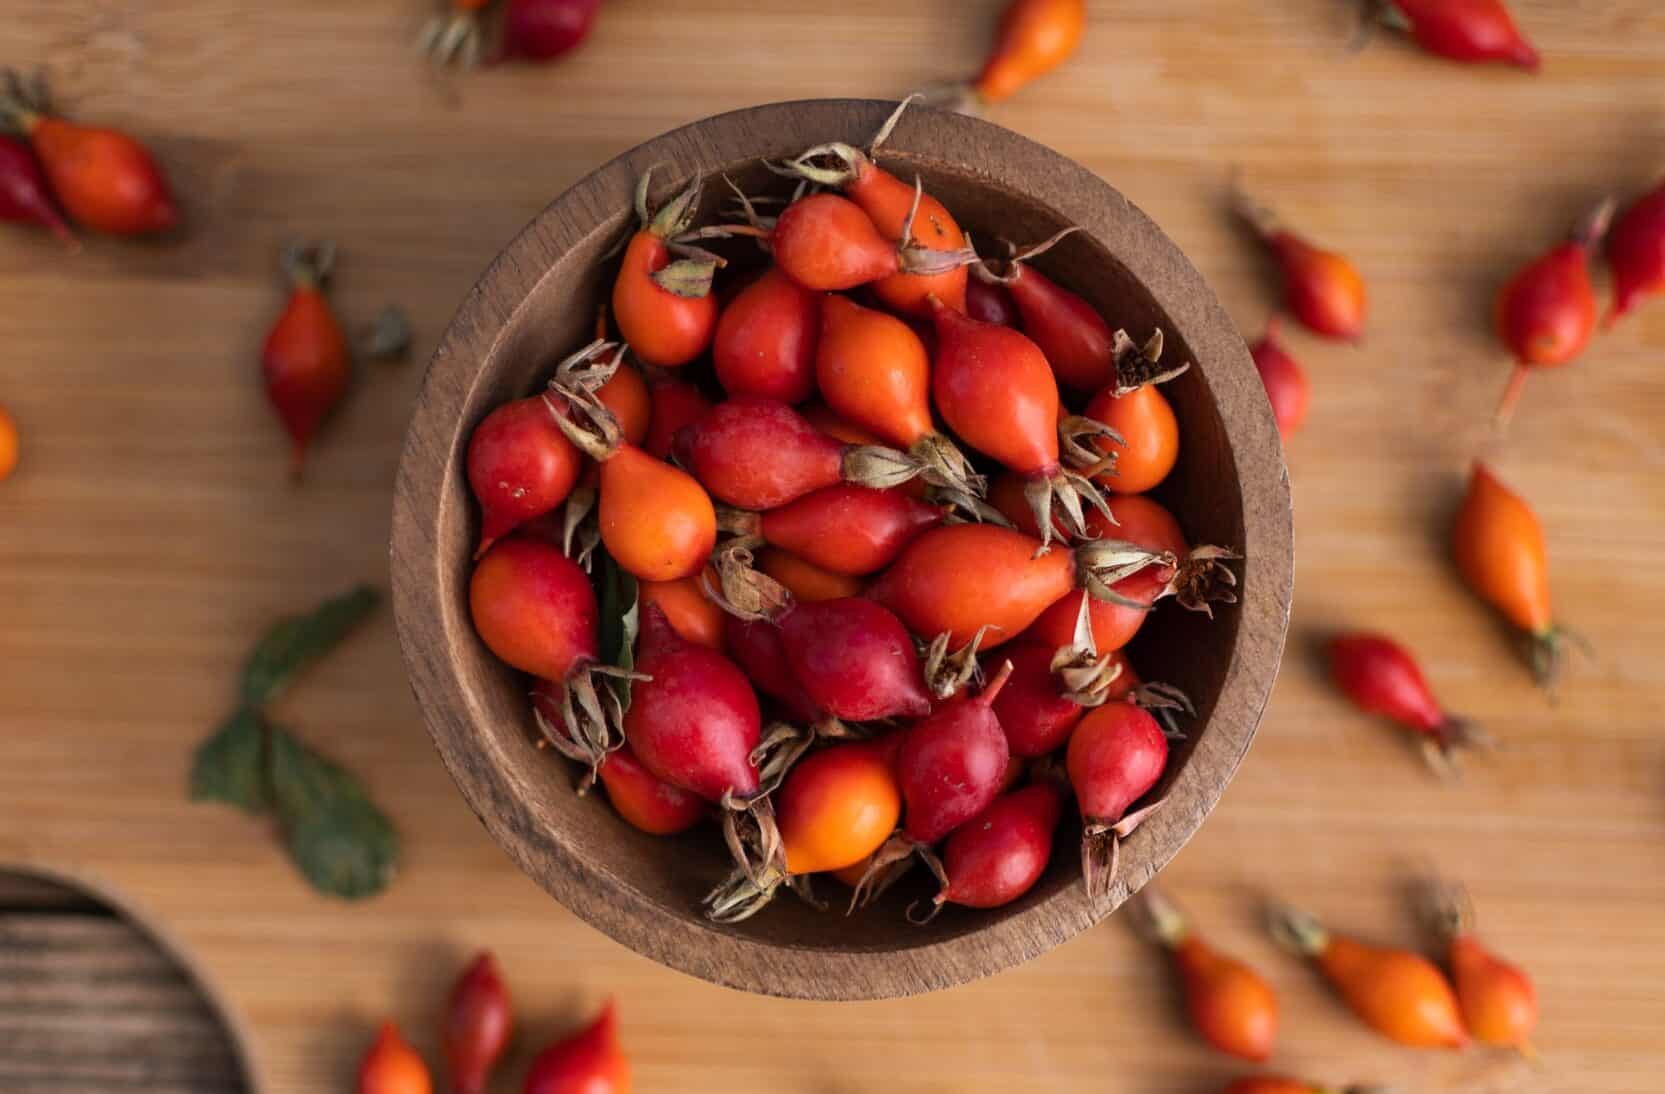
(306,362)
(1381,677)
(1033,38)
(1287,387)
(8,444)
(392,1066)
(103,178)
(478,1021)
(24,195)
(543,30)
(1636,252)
(588,1062)
(1230,1004)
(1499,549)
(1546,312)
(1472,31)
(1269,1084)
(1498,1000)
(1322,289)
(1400,994)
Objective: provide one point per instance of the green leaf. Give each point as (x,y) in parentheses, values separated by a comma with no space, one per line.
(230,766)
(340,841)
(620,608)
(293,643)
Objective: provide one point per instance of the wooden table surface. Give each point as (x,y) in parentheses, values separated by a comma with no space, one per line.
(151,532)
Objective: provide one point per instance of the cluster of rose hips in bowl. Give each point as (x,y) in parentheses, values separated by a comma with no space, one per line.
(834,541)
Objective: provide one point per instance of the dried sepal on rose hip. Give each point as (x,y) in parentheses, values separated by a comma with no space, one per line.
(1228,1002)
(1322,289)
(305,362)
(1132,412)
(1546,313)
(1400,994)
(836,807)
(662,299)
(1381,677)
(1499,549)
(890,203)
(1469,31)
(104,179)
(453,36)
(1498,1000)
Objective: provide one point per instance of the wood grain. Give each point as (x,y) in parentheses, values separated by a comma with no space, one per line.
(92,1003)
(149,532)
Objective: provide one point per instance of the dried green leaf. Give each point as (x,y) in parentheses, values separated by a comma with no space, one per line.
(230,766)
(341,842)
(620,608)
(293,643)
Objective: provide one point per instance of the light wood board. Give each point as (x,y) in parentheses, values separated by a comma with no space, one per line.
(150,531)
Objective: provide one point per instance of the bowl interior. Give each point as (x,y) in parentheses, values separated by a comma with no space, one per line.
(525,794)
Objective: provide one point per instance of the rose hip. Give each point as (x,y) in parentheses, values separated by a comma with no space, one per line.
(664,306)
(962,579)
(645,801)
(837,806)
(1400,994)
(994,388)
(845,529)
(825,242)
(873,371)
(1033,38)
(998,855)
(691,611)
(25,197)
(1498,545)
(1072,334)
(478,1021)
(105,180)
(760,454)
(1471,31)
(1546,313)
(1499,1002)
(1636,252)
(1381,677)
(1287,388)
(855,660)
(806,581)
(990,303)
(305,361)
(757,647)
(588,1062)
(766,338)
(1230,1004)
(1322,289)
(8,444)
(543,30)
(657,522)
(890,204)
(1138,417)
(1116,755)
(392,1067)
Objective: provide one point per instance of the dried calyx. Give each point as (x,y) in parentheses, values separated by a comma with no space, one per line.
(1165,703)
(1101,563)
(692,273)
(1138,365)
(573,403)
(1057,499)
(947,672)
(848,161)
(308,265)
(1101,851)
(1087,677)
(591,717)
(984,272)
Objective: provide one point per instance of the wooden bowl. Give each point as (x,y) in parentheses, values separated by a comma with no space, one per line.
(537,301)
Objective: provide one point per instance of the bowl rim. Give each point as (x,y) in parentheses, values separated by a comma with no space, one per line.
(433,447)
